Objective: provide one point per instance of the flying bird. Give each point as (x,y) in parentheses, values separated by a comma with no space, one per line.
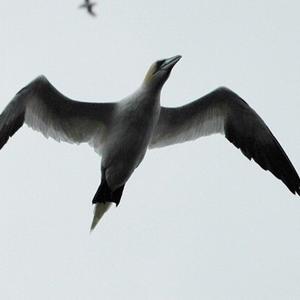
(122,132)
(89,7)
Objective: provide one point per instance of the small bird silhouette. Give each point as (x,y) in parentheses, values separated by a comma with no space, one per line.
(89,6)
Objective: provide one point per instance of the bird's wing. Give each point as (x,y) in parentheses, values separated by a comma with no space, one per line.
(45,109)
(222,111)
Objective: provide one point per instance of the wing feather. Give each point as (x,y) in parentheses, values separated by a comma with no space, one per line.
(42,107)
(222,111)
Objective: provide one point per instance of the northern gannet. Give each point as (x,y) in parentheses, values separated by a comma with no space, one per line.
(121,132)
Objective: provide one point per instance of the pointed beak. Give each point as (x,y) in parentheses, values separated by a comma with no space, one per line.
(169,63)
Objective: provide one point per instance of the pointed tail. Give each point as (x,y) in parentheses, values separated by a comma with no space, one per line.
(103,200)
(100,209)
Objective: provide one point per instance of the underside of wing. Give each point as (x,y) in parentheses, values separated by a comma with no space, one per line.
(202,117)
(222,111)
(45,109)
(248,132)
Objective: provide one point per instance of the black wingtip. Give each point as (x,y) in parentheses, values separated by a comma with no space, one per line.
(298,190)
(8,130)
(293,184)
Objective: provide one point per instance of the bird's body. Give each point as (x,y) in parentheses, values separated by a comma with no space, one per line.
(121,132)
(126,144)
(129,136)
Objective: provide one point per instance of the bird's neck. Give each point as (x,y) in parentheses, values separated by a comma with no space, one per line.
(151,87)
(149,93)
(143,97)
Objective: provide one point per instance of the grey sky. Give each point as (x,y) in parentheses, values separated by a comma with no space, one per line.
(196,221)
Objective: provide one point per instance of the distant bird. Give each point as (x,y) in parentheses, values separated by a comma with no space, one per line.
(89,7)
(123,131)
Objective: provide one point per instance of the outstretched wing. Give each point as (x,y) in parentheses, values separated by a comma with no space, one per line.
(46,110)
(222,111)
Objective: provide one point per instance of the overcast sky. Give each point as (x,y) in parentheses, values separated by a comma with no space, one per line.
(196,221)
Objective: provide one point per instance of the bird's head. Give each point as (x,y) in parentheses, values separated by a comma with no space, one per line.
(159,72)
